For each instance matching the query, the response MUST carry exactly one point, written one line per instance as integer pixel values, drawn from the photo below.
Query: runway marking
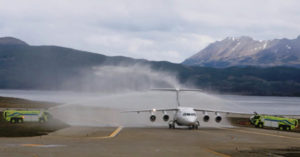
(31, 145)
(34, 155)
(113, 134)
(217, 153)
(42, 145)
(264, 134)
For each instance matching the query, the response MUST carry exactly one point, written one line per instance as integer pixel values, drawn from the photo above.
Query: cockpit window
(189, 114)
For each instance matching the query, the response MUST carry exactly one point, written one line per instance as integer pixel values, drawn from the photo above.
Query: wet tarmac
(100, 141)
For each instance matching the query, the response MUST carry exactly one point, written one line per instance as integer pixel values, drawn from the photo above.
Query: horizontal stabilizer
(176, 89)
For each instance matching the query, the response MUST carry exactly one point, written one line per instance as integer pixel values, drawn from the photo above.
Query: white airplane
(184, 116)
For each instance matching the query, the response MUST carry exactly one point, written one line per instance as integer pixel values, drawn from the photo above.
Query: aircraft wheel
(172, 125)
(197, 125)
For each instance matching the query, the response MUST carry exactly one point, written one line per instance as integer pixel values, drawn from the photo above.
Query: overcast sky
(170, 30)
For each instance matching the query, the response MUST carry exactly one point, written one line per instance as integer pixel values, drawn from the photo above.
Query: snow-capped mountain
(244, 51)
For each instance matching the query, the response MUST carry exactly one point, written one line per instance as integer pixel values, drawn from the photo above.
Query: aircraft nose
(191, 120)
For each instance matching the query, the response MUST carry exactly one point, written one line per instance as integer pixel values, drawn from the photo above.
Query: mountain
(23, 66)
(12, 41)
(244, 51)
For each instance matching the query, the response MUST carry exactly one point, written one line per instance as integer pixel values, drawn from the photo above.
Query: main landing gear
(195, 126)
(172, 124)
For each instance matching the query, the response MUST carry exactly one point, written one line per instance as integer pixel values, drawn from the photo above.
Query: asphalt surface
(123, 142)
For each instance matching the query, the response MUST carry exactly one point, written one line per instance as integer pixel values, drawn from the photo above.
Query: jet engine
(152, 118)
(166, 117)
(218, 118)
(206, 117)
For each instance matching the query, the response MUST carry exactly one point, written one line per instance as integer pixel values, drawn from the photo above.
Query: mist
(126, 88)
(107, 110)
(119, 79)
(100, 95)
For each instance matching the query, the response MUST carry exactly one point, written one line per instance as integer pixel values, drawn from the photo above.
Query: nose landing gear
(194, 126)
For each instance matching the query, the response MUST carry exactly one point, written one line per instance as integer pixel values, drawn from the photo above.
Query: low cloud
(156, 30)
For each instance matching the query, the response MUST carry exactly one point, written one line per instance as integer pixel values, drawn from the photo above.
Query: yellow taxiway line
(217, 153)
(113, 134)
(31, 145)
(264, 134)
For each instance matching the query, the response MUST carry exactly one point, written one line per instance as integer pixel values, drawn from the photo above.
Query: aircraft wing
(245, 114)
(152, 110)
(226, 112)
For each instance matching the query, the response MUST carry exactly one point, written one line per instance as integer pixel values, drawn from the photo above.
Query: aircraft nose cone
(191, 120)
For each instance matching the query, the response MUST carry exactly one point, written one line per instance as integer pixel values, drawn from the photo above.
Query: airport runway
(128, 142)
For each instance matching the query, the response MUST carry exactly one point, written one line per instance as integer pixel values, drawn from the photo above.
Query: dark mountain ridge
(12, 41)
(49, 67)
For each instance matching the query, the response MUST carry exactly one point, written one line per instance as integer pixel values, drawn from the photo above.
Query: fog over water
(94, 109)
(127, 88)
